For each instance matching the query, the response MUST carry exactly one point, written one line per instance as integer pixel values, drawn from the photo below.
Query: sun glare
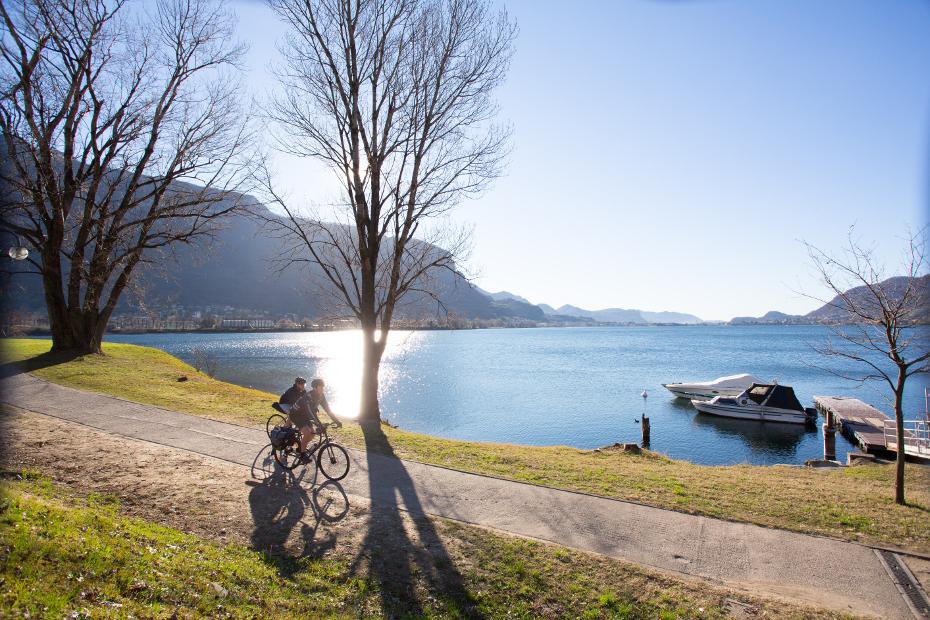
(339, 356)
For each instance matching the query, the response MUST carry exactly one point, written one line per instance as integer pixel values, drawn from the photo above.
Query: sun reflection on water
(339, 363)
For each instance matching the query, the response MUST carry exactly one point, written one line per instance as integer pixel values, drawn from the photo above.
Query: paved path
(820, 571)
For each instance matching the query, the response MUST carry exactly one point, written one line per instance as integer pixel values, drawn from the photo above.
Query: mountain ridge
(833, 311)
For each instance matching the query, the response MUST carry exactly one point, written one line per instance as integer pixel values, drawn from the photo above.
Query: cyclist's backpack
(281, 436)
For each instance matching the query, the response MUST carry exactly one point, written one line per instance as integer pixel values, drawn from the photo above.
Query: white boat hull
(697, 394)
(751, 412)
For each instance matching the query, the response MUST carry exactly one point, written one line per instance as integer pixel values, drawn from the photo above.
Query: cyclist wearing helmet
(303, 409)
(293, 394)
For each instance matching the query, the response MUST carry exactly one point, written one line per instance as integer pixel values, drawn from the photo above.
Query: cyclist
(293, 394)
(302, 408)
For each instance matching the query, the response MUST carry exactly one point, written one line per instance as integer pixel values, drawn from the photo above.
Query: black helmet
(299, 380)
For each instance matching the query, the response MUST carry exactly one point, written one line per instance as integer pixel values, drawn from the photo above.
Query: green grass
(63, 556)
(855, 503)
(61, 560)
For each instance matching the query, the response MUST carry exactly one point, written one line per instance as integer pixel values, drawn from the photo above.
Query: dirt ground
(208, 497)
(228, 503)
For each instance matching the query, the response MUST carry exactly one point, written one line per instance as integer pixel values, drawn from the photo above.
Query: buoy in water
(644, 394)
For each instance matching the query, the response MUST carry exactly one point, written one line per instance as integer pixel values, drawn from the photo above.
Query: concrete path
(829, 573)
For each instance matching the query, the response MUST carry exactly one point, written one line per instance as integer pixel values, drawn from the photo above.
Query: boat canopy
(780, 396)
(730, 381)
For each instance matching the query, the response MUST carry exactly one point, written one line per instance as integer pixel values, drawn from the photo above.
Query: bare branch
(122, 133)
(882, 316)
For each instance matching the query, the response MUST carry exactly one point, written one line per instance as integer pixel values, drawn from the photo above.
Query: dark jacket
(291, 396)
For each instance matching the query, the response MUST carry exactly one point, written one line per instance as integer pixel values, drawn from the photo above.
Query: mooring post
(829, 437)
(645, 426)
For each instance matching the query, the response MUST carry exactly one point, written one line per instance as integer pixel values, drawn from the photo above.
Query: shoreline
(40, 332)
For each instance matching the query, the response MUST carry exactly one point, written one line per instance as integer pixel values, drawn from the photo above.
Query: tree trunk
(81, 332)
(899, 436)
(73, 330)
(370, 410)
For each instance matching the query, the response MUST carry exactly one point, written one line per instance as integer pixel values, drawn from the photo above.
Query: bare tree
(880, 329)
(122, 133)
(394, 97)
(205, 361)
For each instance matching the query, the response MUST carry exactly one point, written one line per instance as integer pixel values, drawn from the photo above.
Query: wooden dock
(862, 423)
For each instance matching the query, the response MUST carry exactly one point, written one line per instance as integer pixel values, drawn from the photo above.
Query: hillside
(235, 272)
(772, 317)
(834, 310)
(621, 315)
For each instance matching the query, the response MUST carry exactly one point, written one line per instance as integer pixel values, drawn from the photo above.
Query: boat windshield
(758, 393)
(783, 397)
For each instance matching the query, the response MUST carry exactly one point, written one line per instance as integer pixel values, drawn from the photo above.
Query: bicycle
(331, 459)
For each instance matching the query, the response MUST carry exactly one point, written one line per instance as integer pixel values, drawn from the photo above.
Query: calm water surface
(579, 387)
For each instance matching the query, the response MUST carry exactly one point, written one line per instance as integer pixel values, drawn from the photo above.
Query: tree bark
(899, 435)
(372, 350)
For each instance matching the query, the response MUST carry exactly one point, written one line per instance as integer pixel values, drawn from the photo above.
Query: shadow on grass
(279, 503)
(403, 562)
(45, 360)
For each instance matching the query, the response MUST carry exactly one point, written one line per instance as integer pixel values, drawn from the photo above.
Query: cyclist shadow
(282, 500)
(392, 557)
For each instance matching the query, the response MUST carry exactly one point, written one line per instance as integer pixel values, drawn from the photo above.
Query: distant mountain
(773, 317)
(671, 317)
(503, 296)
(546, 308)
(834, 311)
(514, 308)
(608, 315)
(234, 273)
(621, 315)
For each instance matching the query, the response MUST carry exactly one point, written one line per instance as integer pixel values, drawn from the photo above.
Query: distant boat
(732, 385)
(762, 401)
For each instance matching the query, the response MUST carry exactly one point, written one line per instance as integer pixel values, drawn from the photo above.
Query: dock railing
(916, 437)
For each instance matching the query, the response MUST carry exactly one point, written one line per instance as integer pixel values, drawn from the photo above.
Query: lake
(572, 386)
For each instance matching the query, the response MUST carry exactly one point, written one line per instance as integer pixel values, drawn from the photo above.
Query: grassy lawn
(68, 556)
(855, 503)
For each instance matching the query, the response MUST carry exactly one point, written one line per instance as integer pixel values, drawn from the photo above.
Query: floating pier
(870, 428)
(862, 423)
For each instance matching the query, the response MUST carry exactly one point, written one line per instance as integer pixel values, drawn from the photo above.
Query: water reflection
(340, 364)
(682, 404)
(775, 438)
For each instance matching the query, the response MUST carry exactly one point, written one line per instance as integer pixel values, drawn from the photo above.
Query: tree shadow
(12, 369)
(44, 360)
(279, 503)
(391, 557)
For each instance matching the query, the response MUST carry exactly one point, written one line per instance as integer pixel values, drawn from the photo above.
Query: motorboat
(732, 385)
(768, 402)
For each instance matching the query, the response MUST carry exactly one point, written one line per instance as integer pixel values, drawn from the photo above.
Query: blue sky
(670, 155)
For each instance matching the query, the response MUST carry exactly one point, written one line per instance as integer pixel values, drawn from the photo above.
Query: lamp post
(17, 252)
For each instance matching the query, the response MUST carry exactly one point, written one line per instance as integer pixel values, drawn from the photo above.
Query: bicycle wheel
(333, 461)
(288, 457)
(276, 419)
